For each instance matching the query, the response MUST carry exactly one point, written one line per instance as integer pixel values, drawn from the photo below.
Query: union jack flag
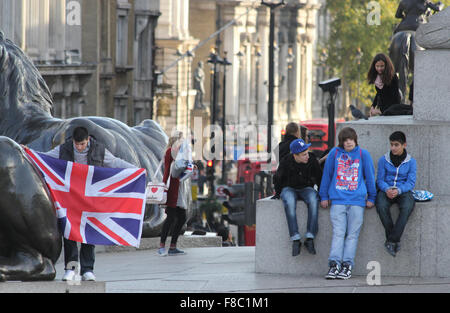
(95, 205)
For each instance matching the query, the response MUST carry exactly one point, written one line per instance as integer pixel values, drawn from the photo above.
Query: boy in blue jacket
(396, 178)
(348, 182)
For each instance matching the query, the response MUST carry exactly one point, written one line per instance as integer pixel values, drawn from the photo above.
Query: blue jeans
(309, 195)
(347, 221)
(405, 204)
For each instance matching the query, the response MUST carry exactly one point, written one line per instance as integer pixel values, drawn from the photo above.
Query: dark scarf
(397, 159)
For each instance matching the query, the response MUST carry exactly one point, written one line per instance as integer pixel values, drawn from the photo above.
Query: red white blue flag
(95, 205)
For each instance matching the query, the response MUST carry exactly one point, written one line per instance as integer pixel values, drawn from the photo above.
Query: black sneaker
(346, 272)
(296, 246)
(309, 244)
(333, 271)
(390, 248)
(397, 247)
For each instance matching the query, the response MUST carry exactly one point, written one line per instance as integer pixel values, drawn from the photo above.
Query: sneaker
(296, 246)
(333, 271)
(69, 275)
(390, 248)
(397, 247)
(309, 244)
(175, 251)
(346, 272)
(88, 276)
(162, 252)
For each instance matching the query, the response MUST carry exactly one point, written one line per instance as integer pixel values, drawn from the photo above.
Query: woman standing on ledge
(382, 74)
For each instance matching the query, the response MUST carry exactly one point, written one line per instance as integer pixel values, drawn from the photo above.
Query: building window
(122, 34)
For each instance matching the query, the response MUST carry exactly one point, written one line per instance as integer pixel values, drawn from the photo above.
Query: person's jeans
(309, 195)
(406, 205)
(347, 221)
(87, 255)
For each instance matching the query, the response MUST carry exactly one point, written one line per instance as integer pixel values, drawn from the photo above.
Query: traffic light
(210, 169)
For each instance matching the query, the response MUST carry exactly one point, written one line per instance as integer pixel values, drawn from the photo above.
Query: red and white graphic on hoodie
(347, 173)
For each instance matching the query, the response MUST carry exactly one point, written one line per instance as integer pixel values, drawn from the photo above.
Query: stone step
(52, 287)
(185, 241)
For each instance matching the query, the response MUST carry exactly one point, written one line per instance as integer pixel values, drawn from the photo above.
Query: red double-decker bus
(318, 133)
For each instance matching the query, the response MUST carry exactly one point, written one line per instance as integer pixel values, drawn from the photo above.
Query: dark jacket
(297, 175)
(387, 96)
(172, 193)
(96, 153)
(283, 148)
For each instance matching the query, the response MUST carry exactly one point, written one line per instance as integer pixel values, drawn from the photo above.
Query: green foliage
(210, 206)
(350, 31)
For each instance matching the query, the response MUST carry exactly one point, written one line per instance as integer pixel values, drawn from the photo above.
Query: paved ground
(228, 269)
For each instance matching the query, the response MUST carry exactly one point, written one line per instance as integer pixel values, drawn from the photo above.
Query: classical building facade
(245, 41)
(175, 95)
(96, 56)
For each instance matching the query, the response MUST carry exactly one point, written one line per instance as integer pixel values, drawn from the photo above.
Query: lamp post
(225, 63)
(272, 7)
(190, 57)
(214, 60)
(358, 57)
(290, 60)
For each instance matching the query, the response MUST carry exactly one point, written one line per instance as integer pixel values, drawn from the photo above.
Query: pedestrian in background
(176, 204)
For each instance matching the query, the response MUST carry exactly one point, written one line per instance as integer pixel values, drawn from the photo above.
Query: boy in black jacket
(294, 180)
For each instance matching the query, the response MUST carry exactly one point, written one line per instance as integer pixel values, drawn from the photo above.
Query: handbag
(156, 192)
(422, 195)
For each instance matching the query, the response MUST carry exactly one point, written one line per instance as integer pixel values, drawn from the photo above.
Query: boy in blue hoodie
(348, 182)
(396, 178)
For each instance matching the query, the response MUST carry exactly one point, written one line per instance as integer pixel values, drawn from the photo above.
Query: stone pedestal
(424, 250)
(198, 115)
(426, 142)
(432, 85)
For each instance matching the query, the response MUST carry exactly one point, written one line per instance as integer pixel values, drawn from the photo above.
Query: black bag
(399, 109)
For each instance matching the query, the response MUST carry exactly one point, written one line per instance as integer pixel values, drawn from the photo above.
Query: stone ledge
(192, 241)
(424, 251)
(52, 287)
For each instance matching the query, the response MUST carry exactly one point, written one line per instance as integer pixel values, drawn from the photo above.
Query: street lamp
(290, 60)
(272, 7)
(358, 57)
(214, 59)
(225, 63)
(190, 57)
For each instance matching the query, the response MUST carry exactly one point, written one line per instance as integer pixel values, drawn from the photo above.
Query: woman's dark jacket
(387, 96)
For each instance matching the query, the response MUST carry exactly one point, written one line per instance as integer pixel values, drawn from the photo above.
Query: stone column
(263, 31)
(57, 36)
(231, 44)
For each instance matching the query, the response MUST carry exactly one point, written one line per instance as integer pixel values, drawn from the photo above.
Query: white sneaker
(88, 276)
(69, 275)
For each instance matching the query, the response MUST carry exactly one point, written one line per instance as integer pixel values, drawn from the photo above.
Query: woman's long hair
(176, 135)
(388, 73)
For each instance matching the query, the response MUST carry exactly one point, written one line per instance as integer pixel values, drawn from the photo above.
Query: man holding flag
(93, 206)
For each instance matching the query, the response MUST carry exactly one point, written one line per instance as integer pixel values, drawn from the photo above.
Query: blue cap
(298, 146)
